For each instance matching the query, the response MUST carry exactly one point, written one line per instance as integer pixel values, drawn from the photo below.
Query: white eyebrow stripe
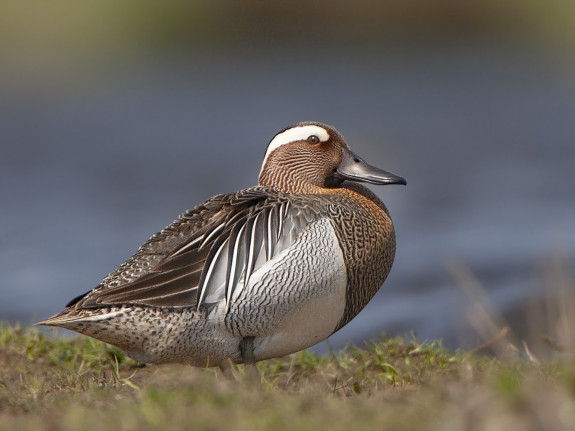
(299, 133)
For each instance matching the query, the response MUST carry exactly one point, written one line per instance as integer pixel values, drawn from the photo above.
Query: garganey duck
(256, 274)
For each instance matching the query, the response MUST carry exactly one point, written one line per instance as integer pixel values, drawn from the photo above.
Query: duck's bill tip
(391, 179)
(354, 168)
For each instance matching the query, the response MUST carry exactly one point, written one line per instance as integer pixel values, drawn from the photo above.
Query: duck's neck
(288, 184)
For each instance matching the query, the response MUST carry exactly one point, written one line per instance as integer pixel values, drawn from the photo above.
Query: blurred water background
(117, 116)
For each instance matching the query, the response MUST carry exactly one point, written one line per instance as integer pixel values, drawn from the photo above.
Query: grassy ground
(79, 383)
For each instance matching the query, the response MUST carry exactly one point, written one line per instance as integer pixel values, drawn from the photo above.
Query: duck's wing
(204, 255)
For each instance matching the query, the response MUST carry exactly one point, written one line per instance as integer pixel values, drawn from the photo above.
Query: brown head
(308, 155)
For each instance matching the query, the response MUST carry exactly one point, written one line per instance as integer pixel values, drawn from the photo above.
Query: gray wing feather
(206, 255)
(250, 245)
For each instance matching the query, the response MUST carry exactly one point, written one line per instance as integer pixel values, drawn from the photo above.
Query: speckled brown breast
(367, 238)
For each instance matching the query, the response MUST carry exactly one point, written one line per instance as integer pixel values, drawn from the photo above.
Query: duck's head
(308, 155)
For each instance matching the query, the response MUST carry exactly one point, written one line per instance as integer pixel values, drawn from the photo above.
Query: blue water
(484, 136)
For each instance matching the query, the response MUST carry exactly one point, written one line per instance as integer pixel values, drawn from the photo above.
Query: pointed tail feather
(70, 318)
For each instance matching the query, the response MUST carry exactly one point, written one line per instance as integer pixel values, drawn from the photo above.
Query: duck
(256, 274)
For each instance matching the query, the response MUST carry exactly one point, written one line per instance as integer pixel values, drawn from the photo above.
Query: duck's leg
(226, 368)
(247, 350)
(249, 358)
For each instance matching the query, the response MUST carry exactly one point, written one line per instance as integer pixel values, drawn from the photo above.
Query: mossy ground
(76, 383)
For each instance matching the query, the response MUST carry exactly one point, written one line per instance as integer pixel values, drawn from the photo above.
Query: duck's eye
(313, 139)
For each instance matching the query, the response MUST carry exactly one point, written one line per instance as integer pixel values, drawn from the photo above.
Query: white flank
(299, 133)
